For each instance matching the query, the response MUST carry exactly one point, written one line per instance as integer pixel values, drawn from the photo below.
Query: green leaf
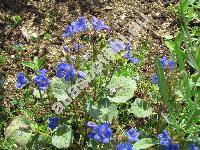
(140, 109)
(162, 83)
(28, 64)
(123, 87)
(143, 144)
(38, 62)
(63, 137)
(59, 89)
(3, 59)
(19, 131)
(104, 110)
(18, 47)
(33, 140)
(36, 93)
(17, 19)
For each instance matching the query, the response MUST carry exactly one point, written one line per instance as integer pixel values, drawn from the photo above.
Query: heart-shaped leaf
(122, 88)
(140, 109)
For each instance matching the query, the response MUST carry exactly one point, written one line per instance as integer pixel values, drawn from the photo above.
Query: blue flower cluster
(63, 70)
(193, 147)
(133, 135)
(128, 56)
(118, 46)
(125, 146)
(166, 140)
(101, 133)
(53, 122)
(68, 72)
(21, 80)
(82, 24)
(164, 62)
(78, 26)
(41, 80)
(99, 25)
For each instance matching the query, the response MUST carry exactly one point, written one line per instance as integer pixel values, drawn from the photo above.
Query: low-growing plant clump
(92, 98)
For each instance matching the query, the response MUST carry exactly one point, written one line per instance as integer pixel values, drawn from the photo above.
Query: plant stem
(159, 116)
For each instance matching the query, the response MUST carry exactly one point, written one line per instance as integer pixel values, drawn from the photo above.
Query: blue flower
(163, 61)
(81, 24)
(172, 146)
(164, 138)
(62, 69)
(155, 79)
(117, 45)
(41, 80)
(127, 55)
(81, 74)
(70, 75)
(65, 70)
(133, 135)
(77, 46)
(21, 80)
(91, 125)
(125, 146)
(99, 25)
(171, 64)
(134, 60)
(68, 32)
(128, 47)
(53, 122)
(66, 48)
(193, 147)
(101, 133)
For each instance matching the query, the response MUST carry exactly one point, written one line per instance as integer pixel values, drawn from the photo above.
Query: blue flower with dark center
(163, 61)
(53, 122)
(66, 48)
(193, 147)
(117, 45)
(41, 80)
(171, 64)
(155, 79)
(81, 74)
(21, 80)
(172, 146)
(62, 69)
(133, 135)
(65, 70)
(125, 146)
(164, 138)
(101, 133)
(99, 25)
